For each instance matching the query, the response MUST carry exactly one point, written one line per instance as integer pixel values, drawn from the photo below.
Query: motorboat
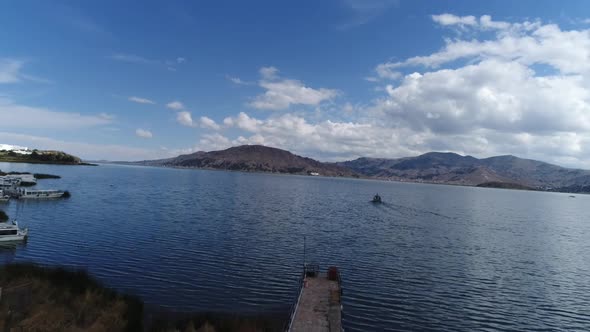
(376, 199)
(10, 231)
(40, 194)
(4, 197)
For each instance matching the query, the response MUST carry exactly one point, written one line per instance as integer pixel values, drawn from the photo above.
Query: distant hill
(253, 158)
(40, 157)
(433, 167)
(451, 168)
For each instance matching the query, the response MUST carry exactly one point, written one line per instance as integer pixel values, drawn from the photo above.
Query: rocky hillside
(253, 158)
(451, 168)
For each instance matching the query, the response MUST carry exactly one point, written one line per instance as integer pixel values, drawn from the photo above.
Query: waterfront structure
(318, 307)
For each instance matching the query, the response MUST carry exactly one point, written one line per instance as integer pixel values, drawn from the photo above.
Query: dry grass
(41, 299)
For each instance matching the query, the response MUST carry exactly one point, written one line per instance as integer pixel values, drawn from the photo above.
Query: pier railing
(295, 304)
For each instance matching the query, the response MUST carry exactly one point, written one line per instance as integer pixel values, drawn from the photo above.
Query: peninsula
(40, 157)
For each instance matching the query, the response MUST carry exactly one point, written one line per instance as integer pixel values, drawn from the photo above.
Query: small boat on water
(376, 199)
(40, 194)
(9, 232)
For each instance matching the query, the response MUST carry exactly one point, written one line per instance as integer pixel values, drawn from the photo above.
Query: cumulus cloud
(327, 140)
(282, 93)
(140, 100)
(269, 73)
(523, 89)
(185, 118)
(143, 133)
(175, 105)
(209, 123)
(15, 115)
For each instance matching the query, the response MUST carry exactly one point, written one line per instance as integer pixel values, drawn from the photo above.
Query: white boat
(4, 197)
(9, 231)
(21, 179)
(40, 194)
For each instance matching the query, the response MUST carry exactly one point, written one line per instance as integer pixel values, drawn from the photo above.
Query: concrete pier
(319, 305)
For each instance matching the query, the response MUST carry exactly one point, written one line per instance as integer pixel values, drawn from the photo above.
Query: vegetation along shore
(36, 298)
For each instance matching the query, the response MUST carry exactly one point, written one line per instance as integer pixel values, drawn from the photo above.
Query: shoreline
(360, 177)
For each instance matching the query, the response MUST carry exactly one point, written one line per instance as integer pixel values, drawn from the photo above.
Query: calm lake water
(430, 258)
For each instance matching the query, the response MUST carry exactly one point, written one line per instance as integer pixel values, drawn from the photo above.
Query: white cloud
(239, 81)
(143, 133)
(140, 100)
(216, 141)
(269, 73)
(503, 96)
(323, 140)
(209, 123)
(529, 43)
(282, 93)
(13, 115)
(86, 151)
(175, 105)
(185, 118)
(10, 70)
(510, 88)
(450, 19)
(384, 71)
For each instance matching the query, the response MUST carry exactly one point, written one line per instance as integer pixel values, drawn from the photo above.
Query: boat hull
(42, 196)
(12, 238)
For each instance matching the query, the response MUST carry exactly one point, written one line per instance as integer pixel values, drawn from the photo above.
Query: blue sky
(328, 79)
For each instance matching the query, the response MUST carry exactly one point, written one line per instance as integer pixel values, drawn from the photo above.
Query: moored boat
(9, 232)
(40, 194)
(4, 197)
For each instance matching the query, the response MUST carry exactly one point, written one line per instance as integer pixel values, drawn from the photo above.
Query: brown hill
(253, 158)
(451, 168)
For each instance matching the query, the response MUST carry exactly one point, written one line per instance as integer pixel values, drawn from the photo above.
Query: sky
(332, 80)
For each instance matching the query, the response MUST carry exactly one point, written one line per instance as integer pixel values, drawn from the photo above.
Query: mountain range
(433, 167)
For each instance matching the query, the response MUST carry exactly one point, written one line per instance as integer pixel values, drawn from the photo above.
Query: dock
(318, 307)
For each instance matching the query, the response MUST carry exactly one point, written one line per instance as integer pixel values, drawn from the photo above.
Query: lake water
(430, 258)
